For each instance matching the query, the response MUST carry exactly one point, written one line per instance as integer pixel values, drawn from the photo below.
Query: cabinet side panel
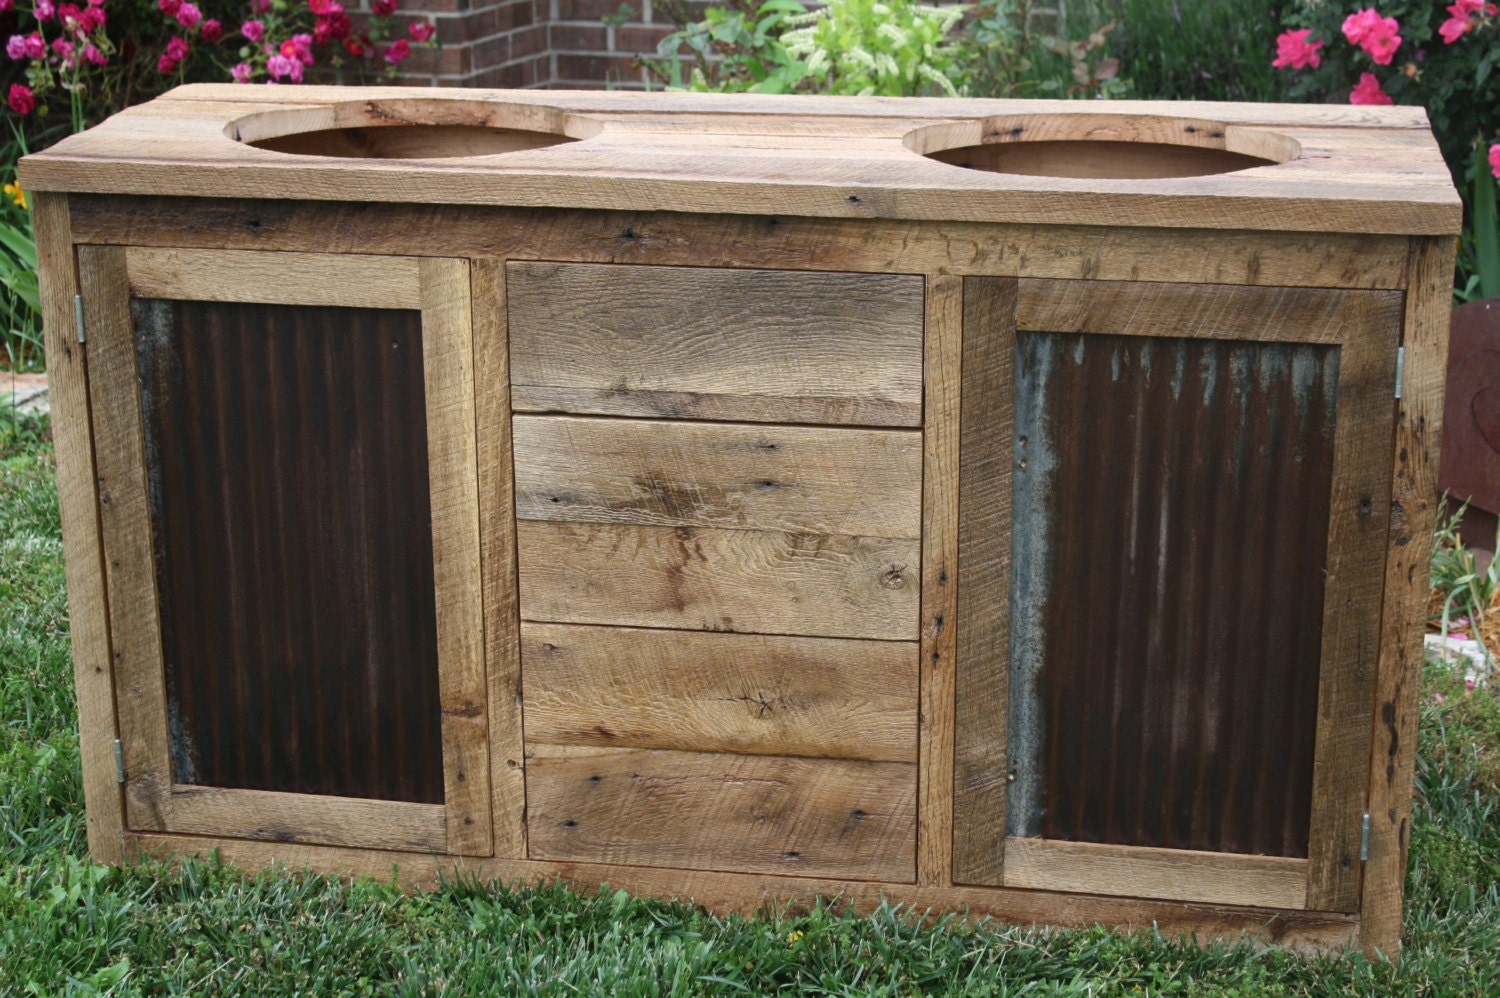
(73, 444)
(1419, 416)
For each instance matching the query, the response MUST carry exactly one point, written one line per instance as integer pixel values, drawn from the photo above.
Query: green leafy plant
(733, 49)
(889, 48)
(995, 47)
(1465, 593)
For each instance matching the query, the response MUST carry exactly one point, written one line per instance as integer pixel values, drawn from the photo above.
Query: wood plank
(753, 894)
(794, 478)
(827, 698)
(943, 369)
(674, 239)
(1201, 311)
(73, 447)
(1133, 871)
(448, 377)
(277, 817)
(1359, 522)
(848, 345)
(742, 581)
(497, 550)
(1419, 416)
(275, 278)
(982, 680)
(125, 527)
(811, 817)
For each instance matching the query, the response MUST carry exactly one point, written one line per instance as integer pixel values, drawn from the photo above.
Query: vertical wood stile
(498, 553)
(1359, 518)
(942, 371)
(125, 526)
(1418, 430)
(448, 359)
(982, 668)
(73, 444)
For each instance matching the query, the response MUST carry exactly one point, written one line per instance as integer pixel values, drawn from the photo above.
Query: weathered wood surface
(497, 553)
(745, 581)
(751, 894)
(73, 446)
(341, 821)
(690, 810)
(1419, 417)
(1359, 522)
(653, 472)
(982, 680)
(448, 369)
(125, 530)
(768, 346)
(1371, 170)
(1179, 874)
(940, 438)
(1064, 252)
(749, 693)
(275, 278)
(1202, 311)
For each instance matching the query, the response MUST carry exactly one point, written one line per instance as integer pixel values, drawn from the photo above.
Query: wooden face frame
(440, 289)
(1366, 325)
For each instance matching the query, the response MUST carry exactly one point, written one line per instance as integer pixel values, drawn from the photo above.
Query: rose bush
(99, 56)
(1443, 56)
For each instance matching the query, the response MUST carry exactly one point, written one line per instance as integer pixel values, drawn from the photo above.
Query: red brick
(596, 68)
(528, 41)
(492, 52)
(640, 38)
(588, 10)
(578, 38)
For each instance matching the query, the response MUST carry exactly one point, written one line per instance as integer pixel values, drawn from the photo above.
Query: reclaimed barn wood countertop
(1326, 168)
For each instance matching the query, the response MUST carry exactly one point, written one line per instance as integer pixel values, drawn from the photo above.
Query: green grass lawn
(67, 927)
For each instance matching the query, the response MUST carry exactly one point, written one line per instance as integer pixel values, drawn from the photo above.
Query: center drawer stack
(718, 498)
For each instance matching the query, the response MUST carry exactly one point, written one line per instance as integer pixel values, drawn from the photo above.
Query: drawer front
(707, 343)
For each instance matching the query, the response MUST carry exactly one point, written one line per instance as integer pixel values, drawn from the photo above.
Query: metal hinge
(1364, 838)
(1400, 368)
(78, 315)
(119, 762)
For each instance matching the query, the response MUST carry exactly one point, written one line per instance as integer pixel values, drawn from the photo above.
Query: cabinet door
(1174, 508)
(289, 509)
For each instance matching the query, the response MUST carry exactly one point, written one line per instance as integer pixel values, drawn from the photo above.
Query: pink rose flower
(165, 65)
(1367, 91)
(211, 31)
(188, 15)
(92, 54)
(16, 47)
(299, 47)
(91, 19)
(384, 8)
(35, 47)
(63, 47)
(1375, 34)
(241, 73)
(1495, 159)
(325, 8)
(6, 6)
(169, 7)
(284, 67)
(177, 49)
(354, 46)
(21, 99)
(420, 31)
(398, 50)
(43, 10)
(1293, 50)
(253, 30)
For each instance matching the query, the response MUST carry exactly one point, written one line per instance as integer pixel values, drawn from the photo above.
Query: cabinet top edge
(1322, 168)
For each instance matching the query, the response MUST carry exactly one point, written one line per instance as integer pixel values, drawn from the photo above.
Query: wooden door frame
(1366, 326)
(440, 289)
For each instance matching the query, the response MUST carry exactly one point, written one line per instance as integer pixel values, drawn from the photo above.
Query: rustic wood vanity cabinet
(1012, 507)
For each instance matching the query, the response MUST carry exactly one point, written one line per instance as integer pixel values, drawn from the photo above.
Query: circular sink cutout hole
(411, 129)
(1101, 147)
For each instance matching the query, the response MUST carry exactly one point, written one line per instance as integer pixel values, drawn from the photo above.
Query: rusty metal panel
(1171, 509)
(287, 457)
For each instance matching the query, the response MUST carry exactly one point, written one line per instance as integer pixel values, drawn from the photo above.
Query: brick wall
(533, 43)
